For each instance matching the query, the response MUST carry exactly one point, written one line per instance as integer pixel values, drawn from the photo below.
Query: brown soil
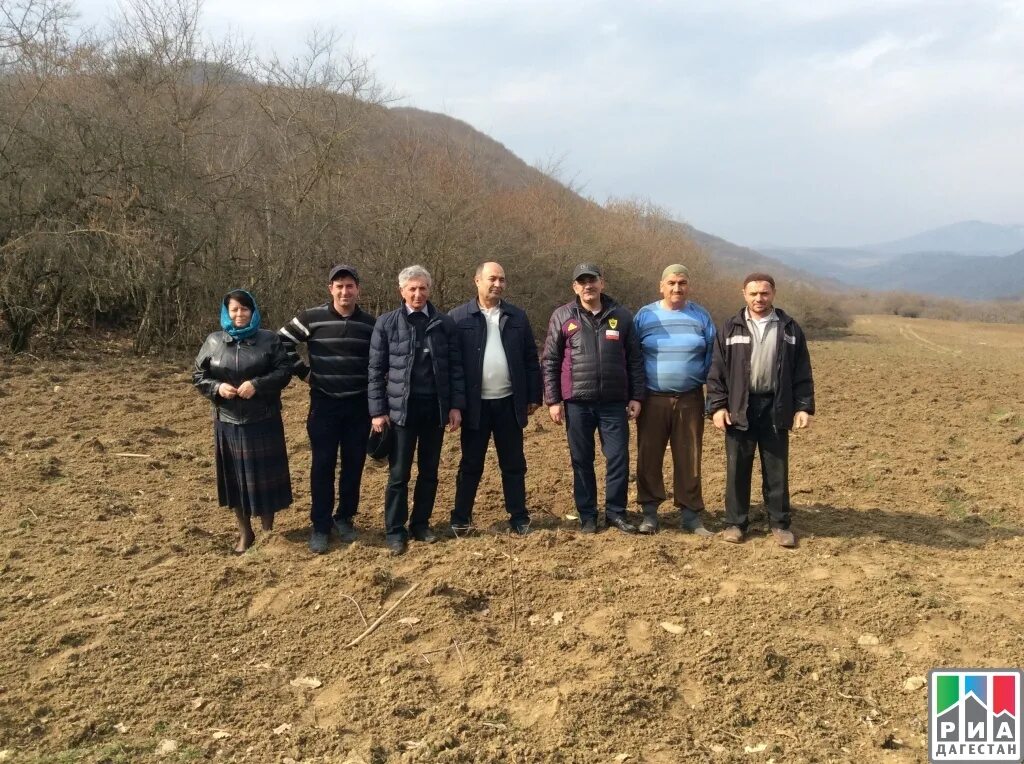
(127, 623)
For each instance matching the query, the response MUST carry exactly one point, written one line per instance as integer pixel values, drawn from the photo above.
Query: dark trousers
(498, 418)
(773, 445)
(422, 435)
(336, 425)
(676, 419)
(612, 425)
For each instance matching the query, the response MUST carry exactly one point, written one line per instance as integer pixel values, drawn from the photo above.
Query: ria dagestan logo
(974, 715)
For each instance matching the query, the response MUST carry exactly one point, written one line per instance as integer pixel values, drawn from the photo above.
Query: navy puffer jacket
(392, 353)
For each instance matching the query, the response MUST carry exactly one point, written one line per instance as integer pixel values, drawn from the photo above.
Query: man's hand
(246, 390)
(633, 409)
(801, 420)
(224, 390)
(556, 413)
(531, 407)
(721, 418)
(454, 419)
(378, 423)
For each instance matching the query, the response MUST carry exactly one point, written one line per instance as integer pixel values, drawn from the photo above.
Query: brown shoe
(784, 537)
(733, 534)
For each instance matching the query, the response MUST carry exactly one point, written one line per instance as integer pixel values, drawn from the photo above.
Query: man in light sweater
(500, 360)
(759, 387)
(676, 336)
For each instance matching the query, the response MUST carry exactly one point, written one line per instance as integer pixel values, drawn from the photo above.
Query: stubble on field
(130, 632)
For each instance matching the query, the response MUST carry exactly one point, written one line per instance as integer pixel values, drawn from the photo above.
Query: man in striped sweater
(677, 337)
(337, 339)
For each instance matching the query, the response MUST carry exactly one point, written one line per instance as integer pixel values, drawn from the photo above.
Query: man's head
(587, 282)
(490, 283)
(675, 286)
(759, 294)
(343, 284)
(414, 286)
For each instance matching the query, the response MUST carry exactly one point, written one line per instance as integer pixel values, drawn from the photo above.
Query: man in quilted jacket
(593, 373)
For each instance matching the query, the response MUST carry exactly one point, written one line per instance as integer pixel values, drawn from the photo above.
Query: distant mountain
(971, 237)
(971, 260)
(741, 260)
(982, 277)
(945, 274)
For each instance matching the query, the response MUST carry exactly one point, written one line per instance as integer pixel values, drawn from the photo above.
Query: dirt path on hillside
(130, 633)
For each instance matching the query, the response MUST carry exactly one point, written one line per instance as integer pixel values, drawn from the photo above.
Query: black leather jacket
(260, 359)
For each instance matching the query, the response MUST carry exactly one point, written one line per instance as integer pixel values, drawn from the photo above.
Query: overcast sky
(795, 122)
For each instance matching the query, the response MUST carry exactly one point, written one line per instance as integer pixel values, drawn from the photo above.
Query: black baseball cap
(586, 269)
(343, 270)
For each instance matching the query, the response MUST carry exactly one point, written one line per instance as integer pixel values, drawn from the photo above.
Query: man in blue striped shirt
(677, 337)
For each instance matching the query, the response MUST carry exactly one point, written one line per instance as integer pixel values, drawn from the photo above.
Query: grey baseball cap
(586, 269)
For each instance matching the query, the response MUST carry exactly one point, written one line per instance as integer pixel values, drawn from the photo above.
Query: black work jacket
(392, 356)
(520, 352)
(260, 359)
(728, 383)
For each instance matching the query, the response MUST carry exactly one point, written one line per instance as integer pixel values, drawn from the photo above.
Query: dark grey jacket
(392, 352)
(729, 378)
(596, 359)
(520, 352)
(260, 359)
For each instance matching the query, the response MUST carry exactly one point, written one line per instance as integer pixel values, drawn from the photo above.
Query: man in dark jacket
(416, 386)
(759, 387)
(499, 358)
(337, 339)
(594, 380)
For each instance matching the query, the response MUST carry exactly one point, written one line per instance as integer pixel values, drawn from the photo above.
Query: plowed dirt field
(129, 632)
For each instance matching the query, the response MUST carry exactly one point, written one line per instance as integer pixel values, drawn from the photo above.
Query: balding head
(490, 284)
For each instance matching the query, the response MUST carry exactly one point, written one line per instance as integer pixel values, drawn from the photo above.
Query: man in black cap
(337, 338)
(593, 372)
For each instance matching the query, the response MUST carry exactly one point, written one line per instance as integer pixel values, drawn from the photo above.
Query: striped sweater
(338, 349)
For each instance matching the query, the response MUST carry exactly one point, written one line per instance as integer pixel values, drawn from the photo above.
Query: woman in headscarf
(243, 369)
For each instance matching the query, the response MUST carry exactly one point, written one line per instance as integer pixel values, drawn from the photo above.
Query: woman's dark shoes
(245, 541)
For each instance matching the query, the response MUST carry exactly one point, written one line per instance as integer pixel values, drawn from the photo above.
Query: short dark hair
(240, 296)
(758, 277)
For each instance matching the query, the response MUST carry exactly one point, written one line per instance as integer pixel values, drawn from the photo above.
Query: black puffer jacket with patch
(592, 358)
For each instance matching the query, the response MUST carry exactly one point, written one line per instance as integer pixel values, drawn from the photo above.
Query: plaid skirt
(252, 466)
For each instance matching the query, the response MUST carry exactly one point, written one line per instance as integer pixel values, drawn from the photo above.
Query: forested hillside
(143, 172)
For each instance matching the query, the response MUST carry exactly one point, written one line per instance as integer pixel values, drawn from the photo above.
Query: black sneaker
(423, 534)
(396, 547)
(345, 530)
(588, 526)
(520, 528)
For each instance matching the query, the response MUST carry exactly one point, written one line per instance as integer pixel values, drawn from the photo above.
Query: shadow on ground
(936, 531)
